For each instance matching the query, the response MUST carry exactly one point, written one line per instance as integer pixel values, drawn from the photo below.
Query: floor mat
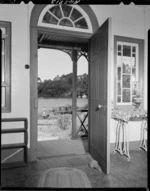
(64, 177)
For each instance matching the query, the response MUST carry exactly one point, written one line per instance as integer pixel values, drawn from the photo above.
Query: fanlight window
(65, 16)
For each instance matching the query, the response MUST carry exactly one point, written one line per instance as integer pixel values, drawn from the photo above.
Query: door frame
(33, 151)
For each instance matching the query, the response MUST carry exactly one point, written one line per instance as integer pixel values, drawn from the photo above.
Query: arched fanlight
(65, 16)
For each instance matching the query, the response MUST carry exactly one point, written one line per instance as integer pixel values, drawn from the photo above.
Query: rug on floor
(64, 177)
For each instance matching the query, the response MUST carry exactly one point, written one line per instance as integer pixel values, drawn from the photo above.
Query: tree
(62, 86)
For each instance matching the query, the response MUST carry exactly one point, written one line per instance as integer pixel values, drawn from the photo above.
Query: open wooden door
(99, 95)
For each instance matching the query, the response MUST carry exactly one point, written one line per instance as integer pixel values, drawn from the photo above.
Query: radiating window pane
(46, 18)
(66, 10)
(49, 19)
(119, 53)
(119, 73)
(125, 95)
(56, 11)
(119, 88)
(66, 22)
(81, 24)
(118, 99)
(126, 68)
(126, 50)
(75, 15)
(126, 81)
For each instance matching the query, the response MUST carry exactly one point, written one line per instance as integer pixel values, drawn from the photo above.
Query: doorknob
(99, 106)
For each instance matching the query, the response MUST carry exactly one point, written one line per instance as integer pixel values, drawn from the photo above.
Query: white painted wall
(127, 21)
(20, 87)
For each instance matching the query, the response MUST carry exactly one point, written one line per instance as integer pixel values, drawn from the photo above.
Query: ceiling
(59, 41)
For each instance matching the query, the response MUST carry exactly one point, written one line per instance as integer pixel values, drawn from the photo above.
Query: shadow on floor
(61, 147)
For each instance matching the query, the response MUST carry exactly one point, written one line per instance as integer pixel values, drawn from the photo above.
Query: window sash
(5, 66)
(129, 73)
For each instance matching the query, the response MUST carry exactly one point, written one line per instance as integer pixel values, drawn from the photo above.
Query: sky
(54, 62)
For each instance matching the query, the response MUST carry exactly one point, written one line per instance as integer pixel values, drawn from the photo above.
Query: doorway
(99, 71)
(55, 103)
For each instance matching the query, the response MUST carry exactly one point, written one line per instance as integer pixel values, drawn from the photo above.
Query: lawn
(56, 126)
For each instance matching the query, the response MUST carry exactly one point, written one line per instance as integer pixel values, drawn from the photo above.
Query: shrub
(64, 121)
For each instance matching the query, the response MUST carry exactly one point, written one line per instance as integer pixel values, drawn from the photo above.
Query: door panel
(98, 96)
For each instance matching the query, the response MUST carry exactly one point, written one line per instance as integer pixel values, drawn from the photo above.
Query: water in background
(49, 103)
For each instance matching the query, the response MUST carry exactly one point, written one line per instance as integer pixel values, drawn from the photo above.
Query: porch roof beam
(59, 45)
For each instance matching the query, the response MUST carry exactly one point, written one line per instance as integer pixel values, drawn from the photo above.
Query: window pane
(119, 60)
(125, 95)
(133, 74)
(119, 88)
(133, 97)
(119, 47)
(56, 11)
(133, 89)
(46, 18)
(133, 60)
(49, 19)
(119, 73)
(66, 10)
(126, 50)
(81, 24)
(66, 22)
(3, 29)
(126, 81)
(126, 68)
(133, 49)
(3, 96)
(118, 99)
(75, 15)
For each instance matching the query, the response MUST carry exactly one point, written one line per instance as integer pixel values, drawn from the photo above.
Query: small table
(122, 147)
(123, 118)
(82, 121)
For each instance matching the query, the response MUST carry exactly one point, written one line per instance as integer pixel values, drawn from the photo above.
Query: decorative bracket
(79, 54)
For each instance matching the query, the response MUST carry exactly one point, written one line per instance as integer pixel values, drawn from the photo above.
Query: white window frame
(6, 80)
(137, 71)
